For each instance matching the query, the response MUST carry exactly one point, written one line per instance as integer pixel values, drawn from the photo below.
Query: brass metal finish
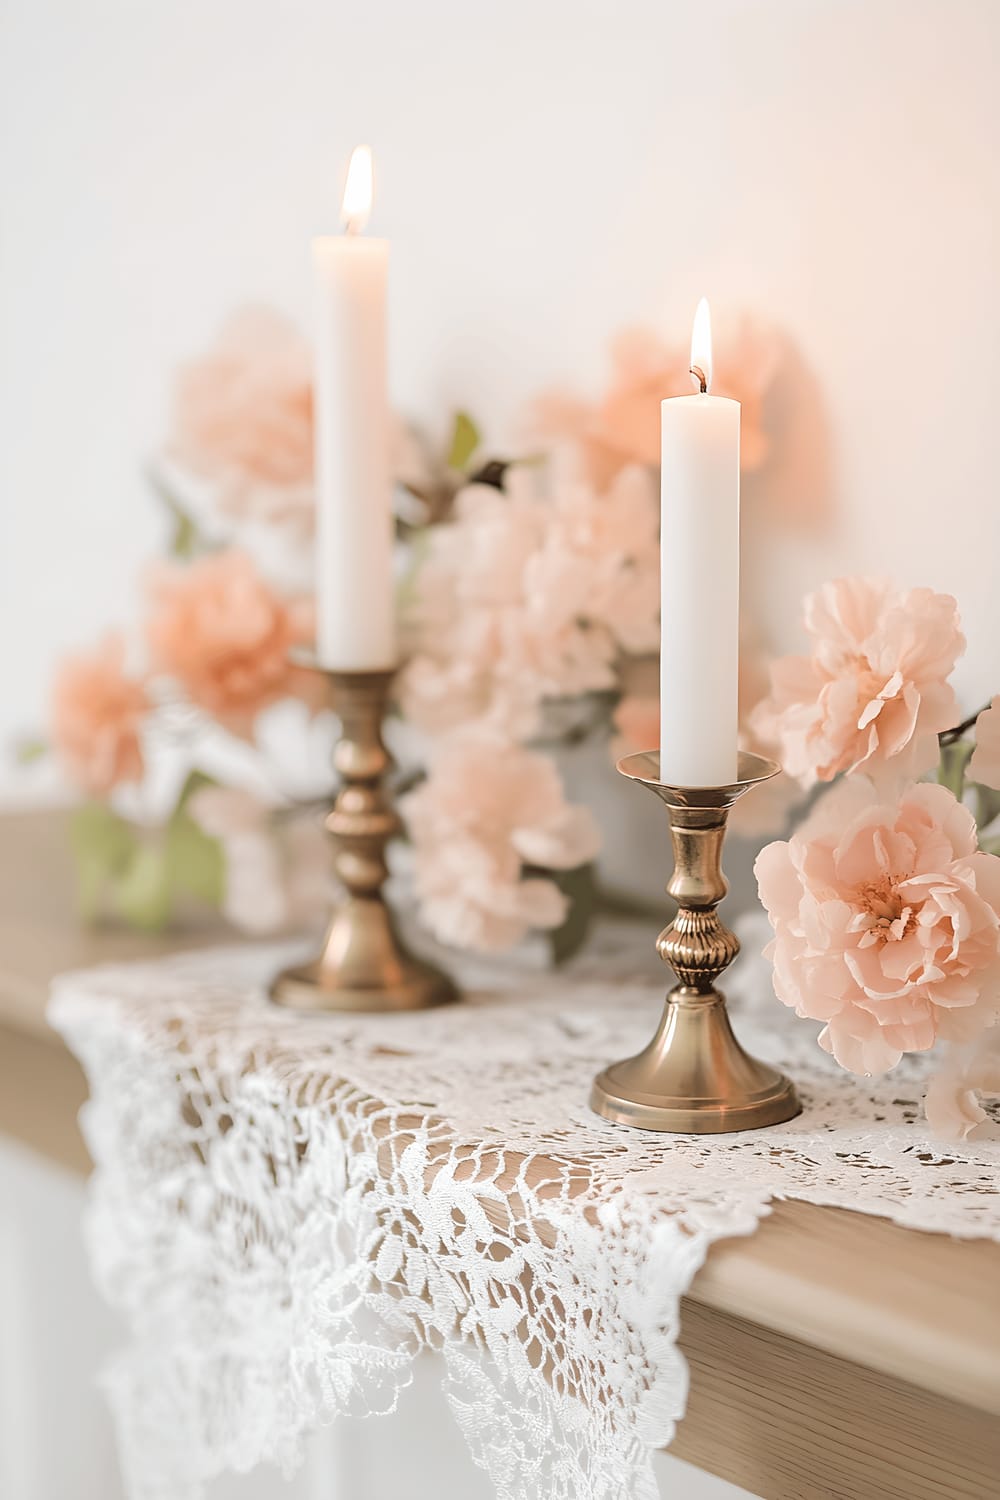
(694, 1076)
(363, 964)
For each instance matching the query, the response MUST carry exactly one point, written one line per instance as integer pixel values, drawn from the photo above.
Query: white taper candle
(354, 533)
(699, 579)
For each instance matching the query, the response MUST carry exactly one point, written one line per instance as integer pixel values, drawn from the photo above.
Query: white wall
(548, 169)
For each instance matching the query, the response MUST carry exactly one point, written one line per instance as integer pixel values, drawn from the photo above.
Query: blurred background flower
(243, 418)
(97, 716)
(622, 426)
(225, 636)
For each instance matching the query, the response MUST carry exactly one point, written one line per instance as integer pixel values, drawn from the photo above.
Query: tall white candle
(699, 579)
(354, 577)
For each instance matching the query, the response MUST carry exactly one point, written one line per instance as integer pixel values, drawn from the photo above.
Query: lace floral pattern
(287, 1208)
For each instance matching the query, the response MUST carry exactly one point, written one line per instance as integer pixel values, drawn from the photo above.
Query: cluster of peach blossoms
(243, 419)
(886, 911)
(530, 595)
(217, 639)
(534, 592)
(488, 812)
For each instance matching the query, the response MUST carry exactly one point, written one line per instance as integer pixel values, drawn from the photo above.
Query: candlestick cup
(694, 1076)
(363, 964)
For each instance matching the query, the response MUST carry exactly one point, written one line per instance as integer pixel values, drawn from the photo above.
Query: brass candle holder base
(694, 1076)
(363, 965)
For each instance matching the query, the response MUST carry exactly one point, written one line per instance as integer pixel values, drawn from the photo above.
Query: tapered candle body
(354, 579)
(700, 590)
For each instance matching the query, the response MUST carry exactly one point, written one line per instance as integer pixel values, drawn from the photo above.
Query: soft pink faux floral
(886, 923)
(97, 713)
(984, 766)
(224, 634)
(243, 417)
(279, 872)
(875, 691)
(524, 597)
(952, 1103)
(623, 427)
(487, 810)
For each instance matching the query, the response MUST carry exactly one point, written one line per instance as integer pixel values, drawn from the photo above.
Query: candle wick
(351, 227)
(699, 375)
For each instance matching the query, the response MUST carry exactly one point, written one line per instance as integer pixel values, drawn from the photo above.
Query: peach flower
(221, 631)
(243, 417)
(952, 1102)
(529, 595)
(486, 810)
(886, 924)
(875, 689)
(624, 426)
(984, 766)
(97, 713)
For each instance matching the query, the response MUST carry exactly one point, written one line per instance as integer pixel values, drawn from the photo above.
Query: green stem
(949, 737)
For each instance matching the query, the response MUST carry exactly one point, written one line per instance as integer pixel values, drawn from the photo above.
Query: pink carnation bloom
(984, 766)
(243, 417)
(886, 923)
(526, 596)
(222, 632)
(624, 426)
(97, 713)
(875, 689)
(486, 810)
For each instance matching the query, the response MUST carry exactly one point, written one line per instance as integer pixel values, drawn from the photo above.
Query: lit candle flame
(701, 347)
(357, 204)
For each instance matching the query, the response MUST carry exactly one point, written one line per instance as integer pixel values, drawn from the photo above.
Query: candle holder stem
(694, 1076)
(363, 965)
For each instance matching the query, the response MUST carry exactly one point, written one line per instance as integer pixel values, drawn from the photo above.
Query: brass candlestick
(363, 964)
(694, 1075)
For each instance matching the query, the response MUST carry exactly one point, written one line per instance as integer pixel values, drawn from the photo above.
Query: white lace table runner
(287, 1208)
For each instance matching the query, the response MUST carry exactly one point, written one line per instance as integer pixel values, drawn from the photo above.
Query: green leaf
(580, 887)
(465, 439)
(102, 844)
(185, 538)
(194, 861)
(142, 893)
(183, 542)
(951, 771)
(27, 751)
